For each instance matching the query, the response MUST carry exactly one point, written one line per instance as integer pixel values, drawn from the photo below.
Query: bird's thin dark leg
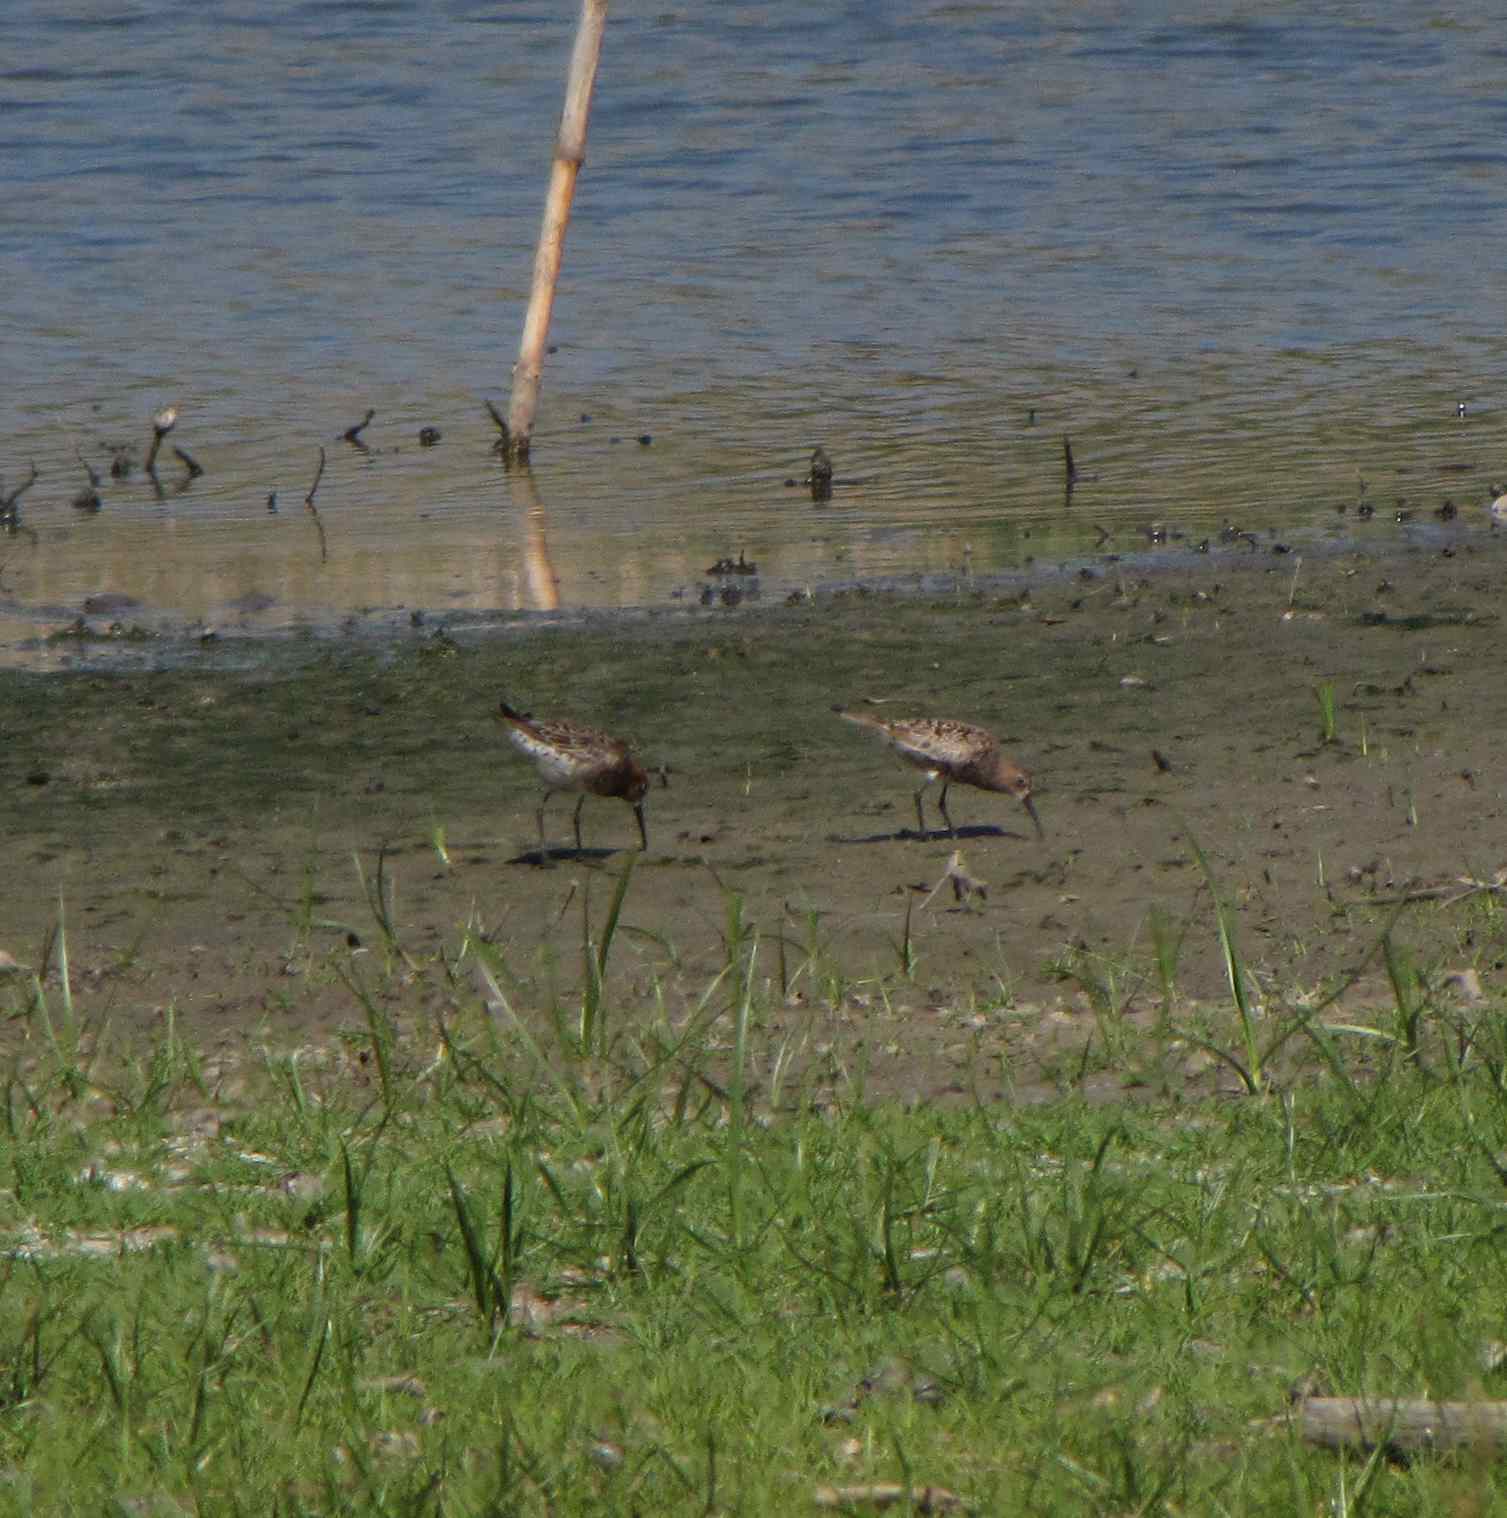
(952, 832)
(643, 832)
(543, 849)
(579, 805)
(920, 815)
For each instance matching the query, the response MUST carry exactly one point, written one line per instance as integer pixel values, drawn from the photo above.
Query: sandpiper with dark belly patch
(571, 757)
(956, 753)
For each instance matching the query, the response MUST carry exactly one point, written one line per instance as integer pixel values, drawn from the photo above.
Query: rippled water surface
(1246, 257)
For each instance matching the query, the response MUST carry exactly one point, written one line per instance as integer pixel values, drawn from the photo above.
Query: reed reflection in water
(541, 582)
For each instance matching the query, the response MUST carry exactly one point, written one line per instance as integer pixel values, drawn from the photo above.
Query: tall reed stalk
(570, 154)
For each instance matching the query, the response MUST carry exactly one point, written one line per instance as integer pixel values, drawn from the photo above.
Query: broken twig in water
(162, 424)
(570, 153)
(352, 435)
(1071, 473)
(308, 500)
(9, 512)
(820, 477)
(313, 510)
(88, 498)
(503, 445)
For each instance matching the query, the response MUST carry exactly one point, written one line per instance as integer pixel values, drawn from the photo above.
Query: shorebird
(570, 757)
(954, 753)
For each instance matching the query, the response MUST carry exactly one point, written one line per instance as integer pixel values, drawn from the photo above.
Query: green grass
(454, 1265)
(1328, 721)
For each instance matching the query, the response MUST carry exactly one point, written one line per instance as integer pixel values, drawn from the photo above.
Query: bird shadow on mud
(567, 855)
(931, 835)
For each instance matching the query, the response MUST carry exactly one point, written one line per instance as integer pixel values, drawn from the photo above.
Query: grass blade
(485, 1286)
(309, 1380)
(1235, 973)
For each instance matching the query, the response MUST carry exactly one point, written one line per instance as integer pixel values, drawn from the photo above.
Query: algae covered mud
(244, 851)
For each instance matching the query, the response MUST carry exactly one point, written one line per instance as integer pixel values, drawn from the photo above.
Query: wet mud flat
(1327, 733)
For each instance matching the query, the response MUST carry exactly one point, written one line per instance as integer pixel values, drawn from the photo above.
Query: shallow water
(1243, 261)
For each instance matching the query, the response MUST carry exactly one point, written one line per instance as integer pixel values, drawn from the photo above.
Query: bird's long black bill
(643, 832)
(1030, 806)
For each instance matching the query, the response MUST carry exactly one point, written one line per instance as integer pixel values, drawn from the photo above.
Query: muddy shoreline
(112, 631)
(198, 830)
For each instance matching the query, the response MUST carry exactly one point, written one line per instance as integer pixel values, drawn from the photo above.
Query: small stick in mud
(915, 1499)
(9, 512)
(964, 885)
(820, 477)
(352, 435)
(162, 424)
(88, 498)
(1397, 1425)
(313, 510)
